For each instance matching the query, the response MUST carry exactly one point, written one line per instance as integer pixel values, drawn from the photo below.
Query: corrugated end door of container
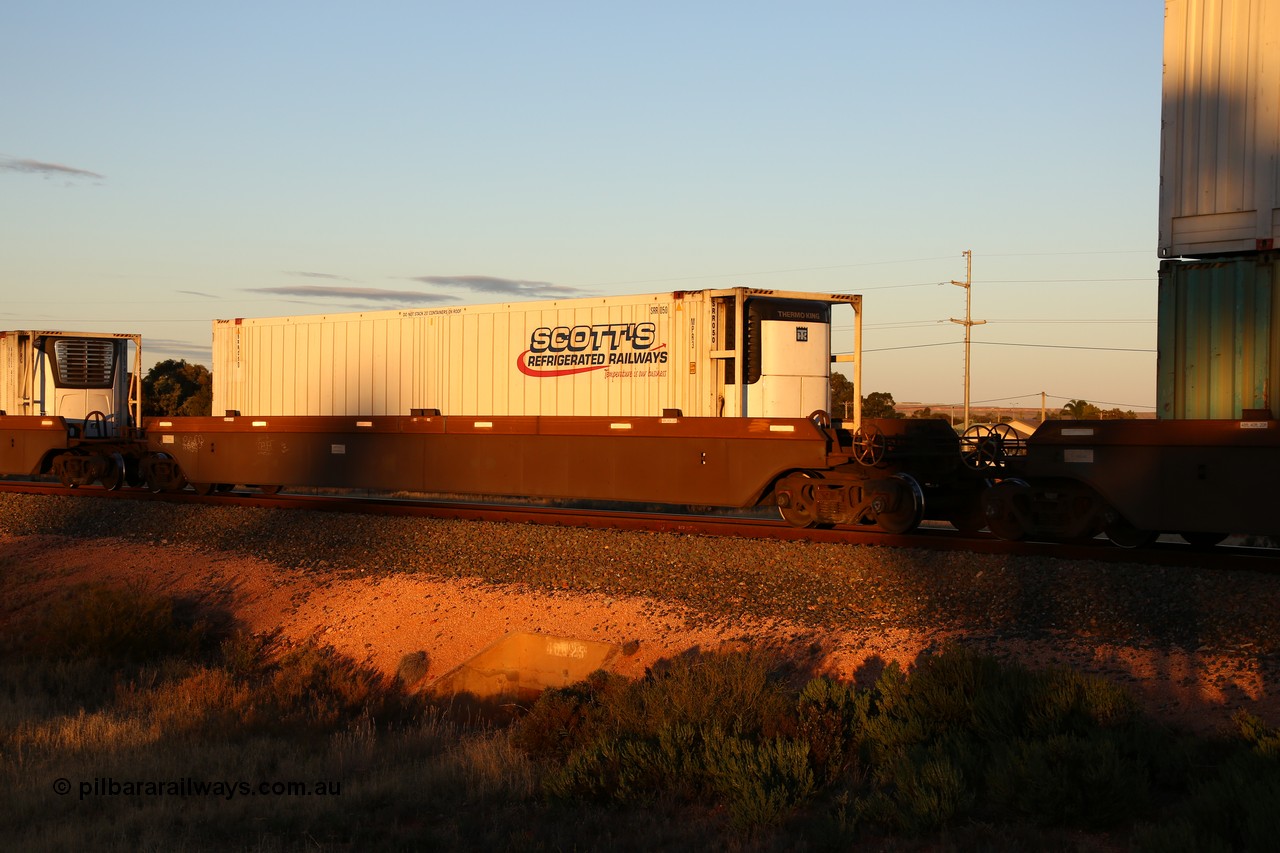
(10, 361)
(1217, 338)
(222, 368)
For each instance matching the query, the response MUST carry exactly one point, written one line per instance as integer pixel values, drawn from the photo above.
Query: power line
(1009, 344)
(1054, 254)
(1059, 280)
(775, 272)
(919, 324)
(890, 263)
(1062, 346)
(1082, 322)
(914, 346)
(1035, 396)
(899, 286)
(1101, 402)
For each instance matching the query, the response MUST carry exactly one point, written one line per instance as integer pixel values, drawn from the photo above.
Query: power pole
(968, 322)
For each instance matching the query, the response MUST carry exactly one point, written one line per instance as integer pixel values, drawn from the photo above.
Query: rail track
(930, 536)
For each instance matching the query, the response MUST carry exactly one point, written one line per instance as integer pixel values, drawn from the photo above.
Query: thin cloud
(197, 293)
(48, 170)
(324, 275)
(500, 286)
(368, 294)
(162, 348)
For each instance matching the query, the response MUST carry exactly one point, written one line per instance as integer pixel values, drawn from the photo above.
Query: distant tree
(927, 413)
(1081, 410)
(879, 404)
(842, 392)
(174, 387)
(1117, 415)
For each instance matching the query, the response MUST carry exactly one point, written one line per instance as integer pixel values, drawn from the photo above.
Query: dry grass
(162, 727)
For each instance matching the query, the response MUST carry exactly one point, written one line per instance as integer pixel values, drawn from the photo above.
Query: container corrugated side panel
(461, 361)
(9, 361)
(1218, 345)
(476, 353)
(1220, 127)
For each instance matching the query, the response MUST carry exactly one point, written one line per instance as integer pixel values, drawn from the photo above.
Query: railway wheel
(133, 473)
(869, 445)
(114, 475)
(797, 504)
(65, 471)
(1000, 507)
(162, 474)
(204, 489)
(74, 469)
(909, 512)
(1201, 539)
(1124, 534)
(270, 490)
(968, 521)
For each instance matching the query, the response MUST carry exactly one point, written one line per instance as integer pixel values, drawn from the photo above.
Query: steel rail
(926, 537)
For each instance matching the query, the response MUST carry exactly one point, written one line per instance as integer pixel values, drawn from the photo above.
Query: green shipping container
(1218, 347)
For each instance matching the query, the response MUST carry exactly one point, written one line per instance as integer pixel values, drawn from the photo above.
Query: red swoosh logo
(567, 371)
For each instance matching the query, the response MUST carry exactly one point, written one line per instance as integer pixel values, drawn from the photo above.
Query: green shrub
(759, 781)
(702, 725)
(1090, 780)
(736, 691)
(630, 770)
(314, 688)
(964, 736)
(565, 719)
(1066, 701)
(741, 691)
(831, 718)
(1232, 807)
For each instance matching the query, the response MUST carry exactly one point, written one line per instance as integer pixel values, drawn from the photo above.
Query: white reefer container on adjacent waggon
(736, 352)
(78, 376)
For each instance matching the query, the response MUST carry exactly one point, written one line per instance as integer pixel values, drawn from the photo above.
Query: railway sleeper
(895, 504)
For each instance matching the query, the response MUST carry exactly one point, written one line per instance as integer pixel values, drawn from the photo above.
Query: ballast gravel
(1194, 644)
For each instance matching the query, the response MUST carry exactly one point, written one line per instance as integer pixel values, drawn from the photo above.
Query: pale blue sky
(162, 165)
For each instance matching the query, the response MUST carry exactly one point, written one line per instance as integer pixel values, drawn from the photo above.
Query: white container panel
(796, 349)
(617, 356)
(1220, 128)
(10, 370)
(341, 385)
(325, 380)
(69, 375)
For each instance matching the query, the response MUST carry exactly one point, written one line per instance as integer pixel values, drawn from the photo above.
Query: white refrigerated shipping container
(743, 352)
(73, 375)
(1220, 128)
